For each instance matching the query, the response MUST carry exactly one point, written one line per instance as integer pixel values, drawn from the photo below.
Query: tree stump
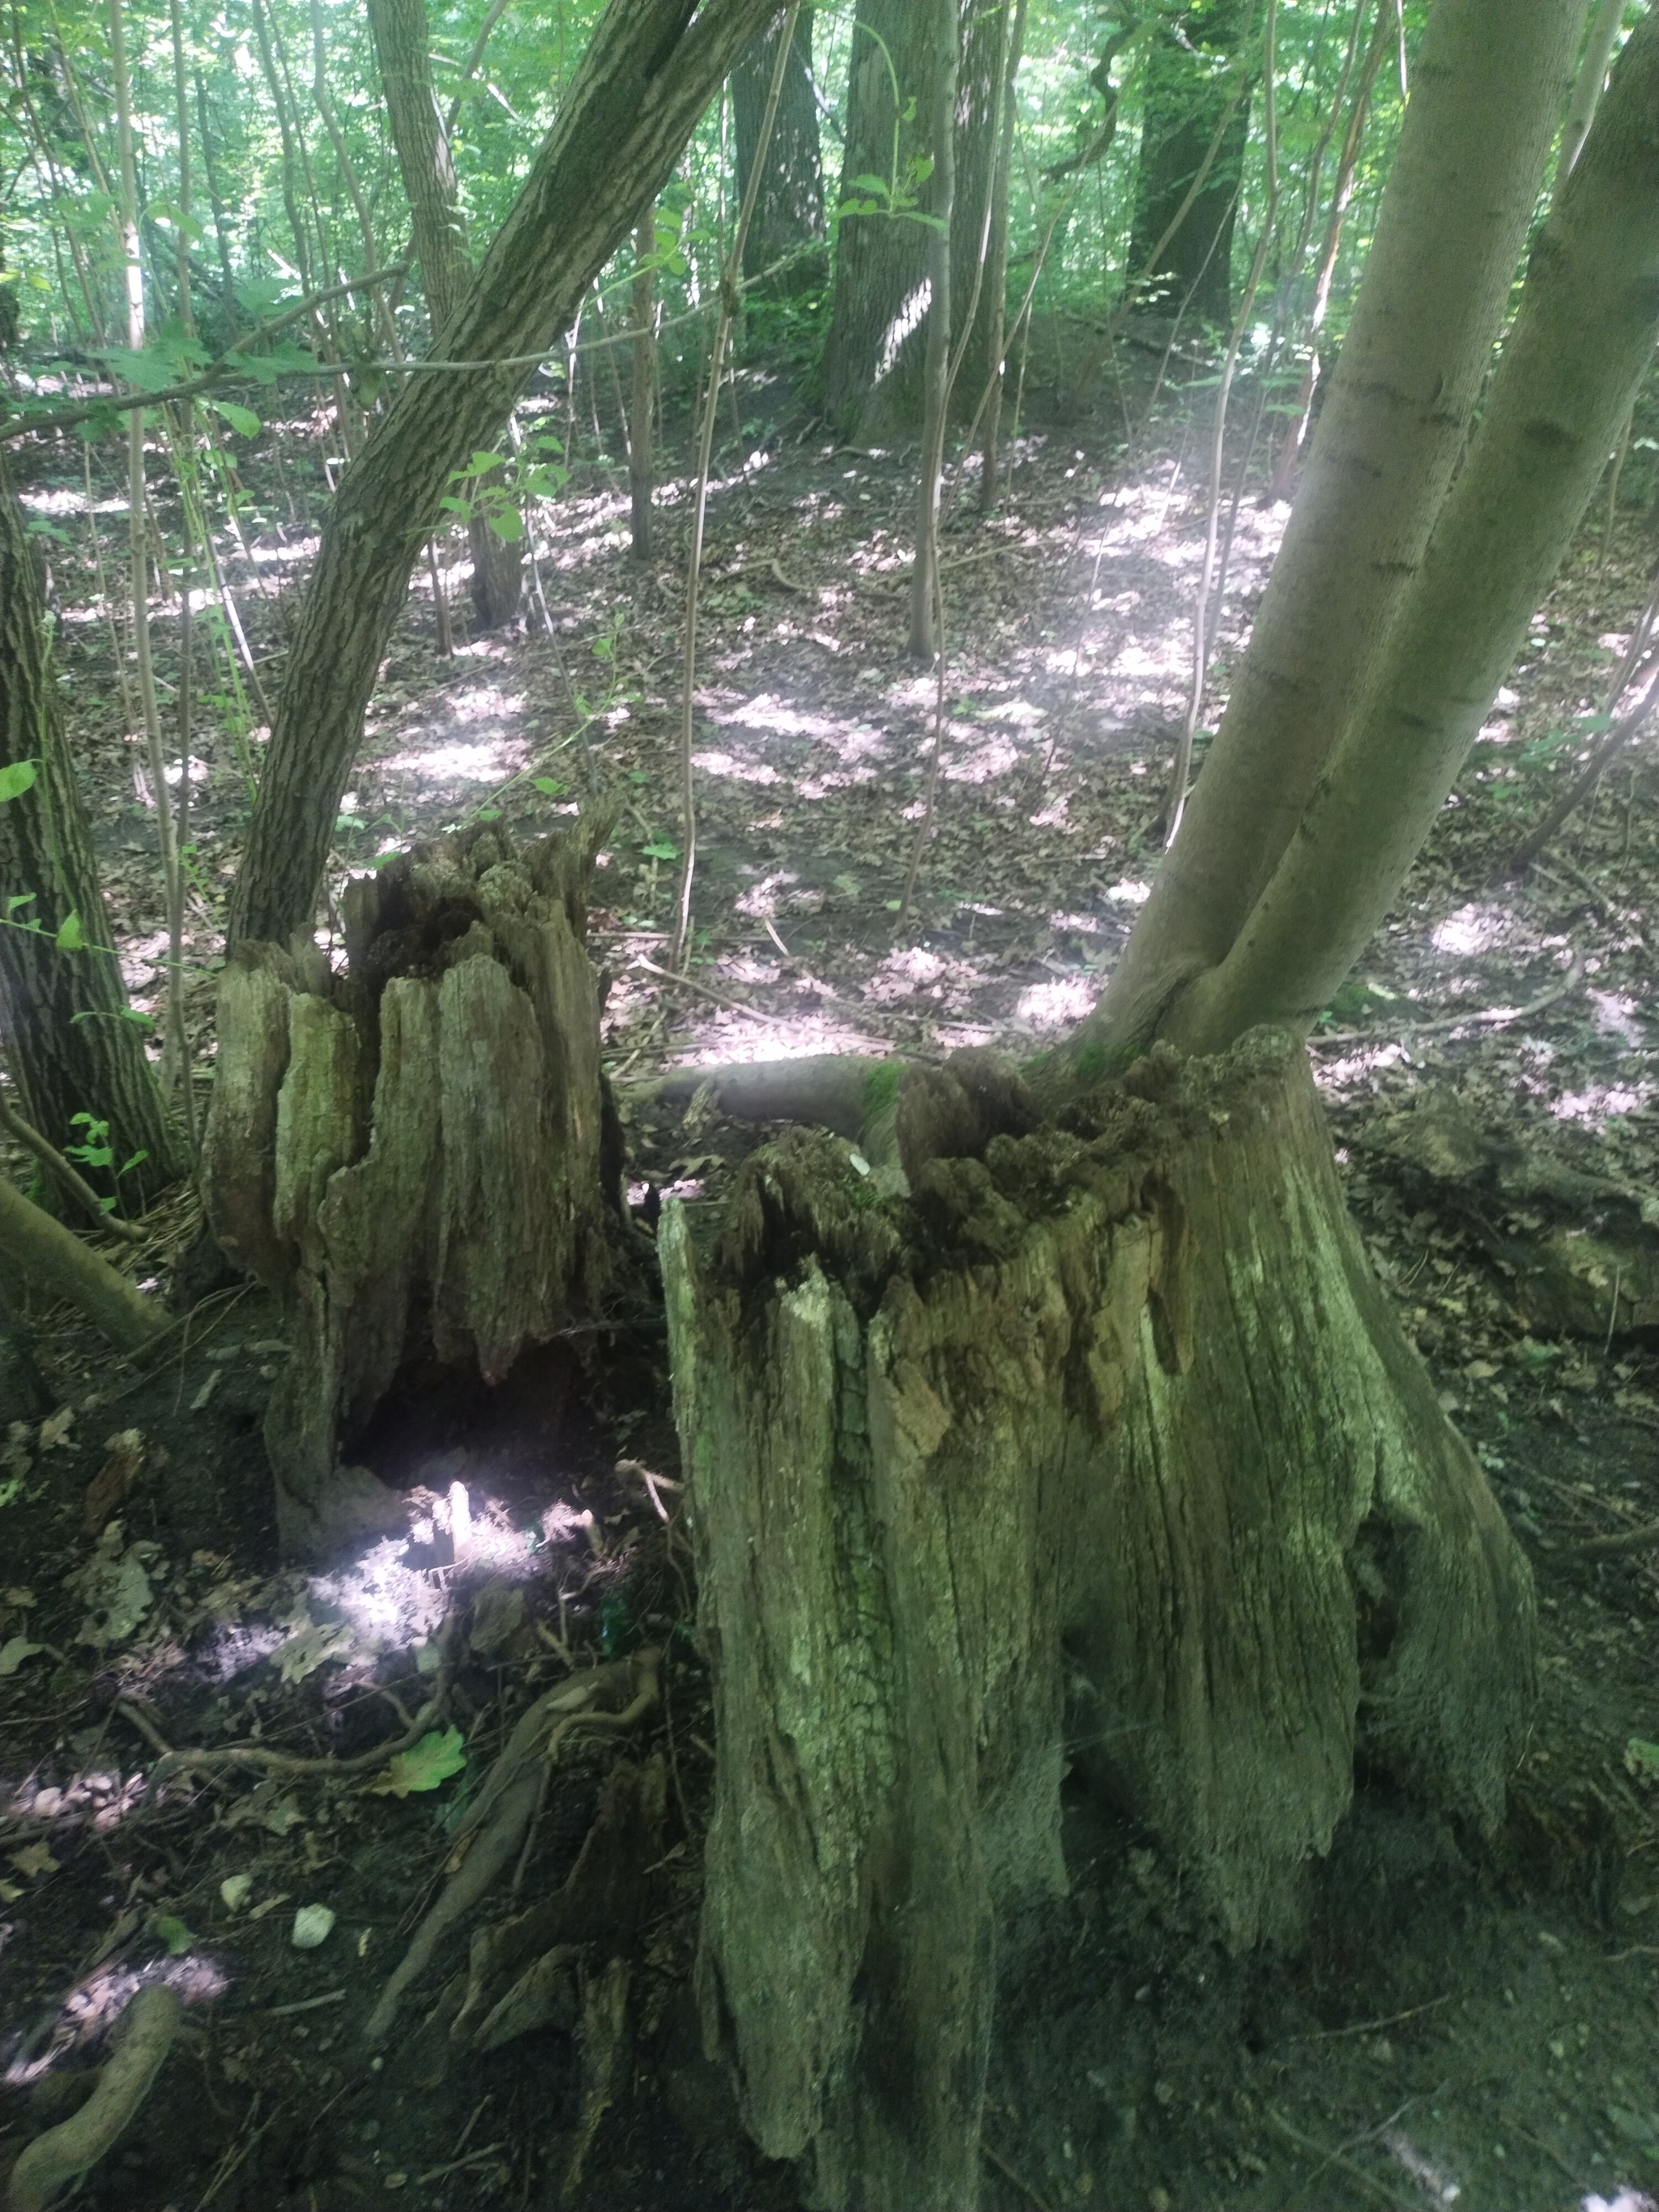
(414, 1153)
(1099, 1449)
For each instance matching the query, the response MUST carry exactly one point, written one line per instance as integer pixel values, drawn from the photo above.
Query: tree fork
(1492, 80)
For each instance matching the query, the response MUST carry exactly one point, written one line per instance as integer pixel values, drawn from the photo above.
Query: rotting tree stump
(417, 1153)
(1100, 1448)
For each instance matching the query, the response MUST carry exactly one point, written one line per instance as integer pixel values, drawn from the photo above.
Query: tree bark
(1104, 1449)
(428, 168)
(63, 1024)
(1582, 339)
(874, 354)
(1187, 86)
(646, 77)
(788, 216)
(44, 1252)
(415, 1155)
(1491, 78)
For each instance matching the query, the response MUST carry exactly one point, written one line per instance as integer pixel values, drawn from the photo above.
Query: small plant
(96, 1150)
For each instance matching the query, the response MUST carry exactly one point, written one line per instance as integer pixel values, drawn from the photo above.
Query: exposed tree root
(64, 2153)
(496, 1826)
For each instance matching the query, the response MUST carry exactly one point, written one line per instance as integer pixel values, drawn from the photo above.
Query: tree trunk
(428, 173)
(415, 1155)
(1103, 1449)
(1491, 79)
(1190, 82)
(646, 77)
(788, 217)
(874, 356)
(64, 1022)
(1582, 340)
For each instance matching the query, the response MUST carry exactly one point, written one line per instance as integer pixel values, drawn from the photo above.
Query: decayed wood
(1101, 1448)
(410, 1152)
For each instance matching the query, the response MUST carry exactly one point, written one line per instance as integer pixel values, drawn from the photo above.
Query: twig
(703, 990)
(1328, 2158)
(1498, 1015)
(1371, 2027)
(1606, 1547)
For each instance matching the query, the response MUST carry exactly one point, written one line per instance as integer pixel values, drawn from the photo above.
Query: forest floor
(1461, 2019)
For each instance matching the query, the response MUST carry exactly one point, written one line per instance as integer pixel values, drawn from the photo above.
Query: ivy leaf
(425, 1766)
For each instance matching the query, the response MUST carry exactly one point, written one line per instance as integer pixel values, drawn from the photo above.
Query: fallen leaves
(425, 1765)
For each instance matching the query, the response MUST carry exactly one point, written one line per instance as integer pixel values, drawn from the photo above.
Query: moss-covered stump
(413, 1152)
(1100, 1448)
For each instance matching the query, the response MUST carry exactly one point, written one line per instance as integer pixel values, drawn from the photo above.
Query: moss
(881, 1088)
(1091, 1062)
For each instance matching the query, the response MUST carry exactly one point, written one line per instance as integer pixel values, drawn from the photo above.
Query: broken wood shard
(413, 1152)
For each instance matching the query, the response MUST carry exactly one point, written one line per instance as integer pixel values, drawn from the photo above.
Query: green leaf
(242, 420)
(11, 1490)
(1643, 1759)
(16, 780)
(508, 525)
(548, 786)
(660, 850)
(428, 1763)
(70, 938)
(173, 1933)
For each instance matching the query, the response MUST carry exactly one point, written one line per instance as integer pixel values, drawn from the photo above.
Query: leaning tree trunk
(875, 352)
(646, 76)
(399, 31)
(415, 1154)
(64, 1028)
(788, 216)
(1189, 85)
(1101, 1448)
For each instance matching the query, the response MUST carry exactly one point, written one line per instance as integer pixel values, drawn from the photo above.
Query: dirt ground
(1462, 2019)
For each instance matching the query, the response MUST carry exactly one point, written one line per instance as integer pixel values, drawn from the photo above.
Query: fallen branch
(57, 1259)
(64, 2153)
(828, 1091)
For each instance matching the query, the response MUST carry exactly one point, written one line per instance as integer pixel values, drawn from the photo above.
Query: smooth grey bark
(641, 413)
(1582, 339)
(1492, 77)
(646, 77)
(936, 371)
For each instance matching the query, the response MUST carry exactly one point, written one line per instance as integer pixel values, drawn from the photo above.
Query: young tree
(646, 75)
(63, 1024)
(428, 173)
(1195, 110)
(788, 217)
(874, 360)
(1104, 1448)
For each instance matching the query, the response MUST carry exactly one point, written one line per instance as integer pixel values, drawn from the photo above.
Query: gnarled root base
(413, 1154)
(1102, 1448)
